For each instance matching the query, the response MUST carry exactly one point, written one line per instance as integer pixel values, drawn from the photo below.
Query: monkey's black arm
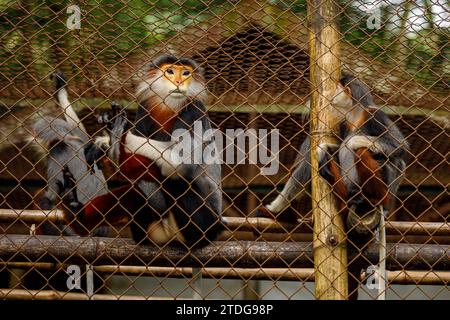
(107, 209)
(116, 122)
(73, 209)
(93, 154)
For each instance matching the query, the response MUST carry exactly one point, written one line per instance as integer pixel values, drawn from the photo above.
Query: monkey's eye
(186, 73)
(169, 71)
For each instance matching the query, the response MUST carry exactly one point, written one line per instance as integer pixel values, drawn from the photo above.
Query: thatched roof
(259, 55)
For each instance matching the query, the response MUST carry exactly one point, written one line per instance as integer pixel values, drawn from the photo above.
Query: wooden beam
(305, 226)
(31, 216)
(88, 104)
(236, 254)
(20, 294)
(257, 225)
(273, 274)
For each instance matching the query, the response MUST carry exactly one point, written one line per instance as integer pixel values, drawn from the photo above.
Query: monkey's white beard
(162, 89)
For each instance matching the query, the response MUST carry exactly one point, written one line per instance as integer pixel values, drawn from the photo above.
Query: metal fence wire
(152, 149)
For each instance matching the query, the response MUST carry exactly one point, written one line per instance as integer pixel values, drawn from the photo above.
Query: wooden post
(329, 241)
(250, 288)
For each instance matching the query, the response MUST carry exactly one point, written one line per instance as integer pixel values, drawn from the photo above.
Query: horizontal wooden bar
(89, 104)
(21, 294)
(31, 216)
(273, 274)
(305, 226)
(235, 254)
(248, 224)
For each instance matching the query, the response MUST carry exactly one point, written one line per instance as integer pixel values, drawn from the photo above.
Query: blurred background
(256, 60)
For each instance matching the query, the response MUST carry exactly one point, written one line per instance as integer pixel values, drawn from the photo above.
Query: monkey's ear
(152, 66)
(200, 71)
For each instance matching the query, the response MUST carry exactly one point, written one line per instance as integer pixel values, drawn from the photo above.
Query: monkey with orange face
(165, 200)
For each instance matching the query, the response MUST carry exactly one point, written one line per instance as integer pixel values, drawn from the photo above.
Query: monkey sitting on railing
(365, 168)
(163, 200)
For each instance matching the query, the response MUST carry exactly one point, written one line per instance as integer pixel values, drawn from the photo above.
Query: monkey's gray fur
(65, 142)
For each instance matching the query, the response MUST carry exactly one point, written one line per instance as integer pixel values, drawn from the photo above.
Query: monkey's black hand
(116, 134)
(116, 108)
(104, 118)
(327, 153)
(68, 193)
(73, 209)
(362, 216)
(45, 203)
(93, 153)
(107, 118)
(358, 202)
(59, 81)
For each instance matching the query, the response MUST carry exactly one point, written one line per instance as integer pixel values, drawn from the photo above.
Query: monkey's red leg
(138, 167)
(330, 171)
(115, 207)
(338, 184)
(370, 175)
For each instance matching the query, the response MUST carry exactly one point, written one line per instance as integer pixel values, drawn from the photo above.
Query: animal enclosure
(266, 68)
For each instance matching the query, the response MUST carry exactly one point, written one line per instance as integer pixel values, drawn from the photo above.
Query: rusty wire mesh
(256, 61)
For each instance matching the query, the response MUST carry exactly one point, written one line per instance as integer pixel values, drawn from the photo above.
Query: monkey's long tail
(61, 95)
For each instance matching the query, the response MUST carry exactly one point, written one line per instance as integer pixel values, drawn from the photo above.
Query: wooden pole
(329, 240)
(305, 226)
(252, 224)
(250, 289)
(197, 283)
(20, 294)
(31, 216)
(274, 274)
(239, 254)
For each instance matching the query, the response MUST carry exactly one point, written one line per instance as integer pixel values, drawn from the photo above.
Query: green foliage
(426, 63)
(34, 35)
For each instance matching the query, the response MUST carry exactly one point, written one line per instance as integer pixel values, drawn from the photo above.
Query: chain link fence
(253, 60)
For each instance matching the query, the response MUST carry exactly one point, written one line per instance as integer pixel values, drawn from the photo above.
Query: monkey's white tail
(69, 113)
